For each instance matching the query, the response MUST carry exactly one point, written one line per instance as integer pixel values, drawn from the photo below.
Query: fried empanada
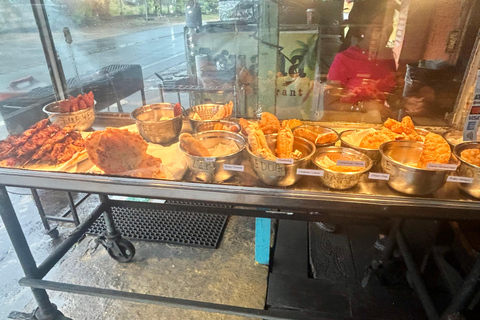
(269, 123)
(471, 156)
(326, 137)
(258, 143)
(284, 141)
(306, 134)
(293, 123)
(193, 146)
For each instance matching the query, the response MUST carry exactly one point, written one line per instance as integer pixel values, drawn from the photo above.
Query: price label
(310, 172)
(212, 159)
(346, 163)
(232, 167)
(284, 161)
(459, 179)
(442, 166)
(379, 176)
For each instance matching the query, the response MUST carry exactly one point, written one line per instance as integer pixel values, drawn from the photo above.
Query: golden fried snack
(407, 123)
(244, 124)
(292, 123)
(258, 142)
(471, 156)
(326, 137)
(284, 141)
(223, 111)
(306, 134)
(269, 123)
(375, 139)
(393, 125)
(119, 151)
(193, 146)
(218, 126)
(435, 150)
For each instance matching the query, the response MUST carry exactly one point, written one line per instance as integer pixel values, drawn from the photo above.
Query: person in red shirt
(365, 69)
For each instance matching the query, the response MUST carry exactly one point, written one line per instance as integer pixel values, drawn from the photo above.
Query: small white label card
(378, 176)
(310, 172)
(442, 166)
(233, 167)
(459, 179)
(284, 161)
(347, 163)
(210, 159)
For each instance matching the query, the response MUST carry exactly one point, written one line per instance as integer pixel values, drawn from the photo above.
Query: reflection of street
(155, 50)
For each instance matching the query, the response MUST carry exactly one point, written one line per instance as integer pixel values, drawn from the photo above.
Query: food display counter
(326, 136)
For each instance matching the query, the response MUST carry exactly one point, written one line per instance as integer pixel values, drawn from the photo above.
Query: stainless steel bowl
(278, 174)
(373, 154)
(341, 180)
(455, 137)
(83, 119)
(468, 170)
(408, 179)
(320, 130)
(208, 126)
(212, 171)
(205, 111)
(152, 128)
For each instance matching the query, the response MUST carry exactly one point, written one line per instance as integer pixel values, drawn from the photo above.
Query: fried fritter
(327, 137)
(375, 139)
(284, 141)
(269, 123)
(292, 123)
(435, 150)
(471, 156)
(306, 134)
(193, 146)
(258, 142)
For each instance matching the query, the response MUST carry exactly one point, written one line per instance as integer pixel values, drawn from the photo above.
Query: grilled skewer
(49, 144)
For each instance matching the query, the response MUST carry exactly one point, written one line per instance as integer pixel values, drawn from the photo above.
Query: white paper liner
(223, 149)
(326, 162)
(356, 137)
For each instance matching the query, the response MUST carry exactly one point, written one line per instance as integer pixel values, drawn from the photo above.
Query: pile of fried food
(80, 102)
(471, 156)
(284, 145)
(222, 113)
(330, 162)
(42, 143)
(122, 152)
(195, 147)
(435, 150)
(221, 126)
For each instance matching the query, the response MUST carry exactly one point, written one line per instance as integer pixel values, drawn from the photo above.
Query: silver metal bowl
(83, 119)
(278, 174)
(208, 126)
(396, 155)
(341, 180)
(373, 154)
(455, 137)
(205, 111)
(152, 128)
(320, 130)
(211, 169)
(469, 170)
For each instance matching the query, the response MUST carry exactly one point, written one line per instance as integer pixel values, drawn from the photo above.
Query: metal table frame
(277, 203)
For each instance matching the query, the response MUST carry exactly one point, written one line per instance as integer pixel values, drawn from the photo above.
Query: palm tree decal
(306, 55)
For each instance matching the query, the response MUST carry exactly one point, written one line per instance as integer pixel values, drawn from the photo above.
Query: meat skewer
(23, 138)
(37, 140)
(49, 144)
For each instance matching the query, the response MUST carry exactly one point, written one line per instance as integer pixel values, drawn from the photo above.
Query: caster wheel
(127, 251)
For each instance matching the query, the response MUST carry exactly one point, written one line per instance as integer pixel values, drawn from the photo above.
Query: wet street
(155, 50)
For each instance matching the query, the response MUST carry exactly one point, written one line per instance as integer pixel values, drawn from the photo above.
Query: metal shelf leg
(52, 232)
(46, 310)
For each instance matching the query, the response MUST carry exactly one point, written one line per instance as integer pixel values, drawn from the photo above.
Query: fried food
(285, 142)
(292, 123)
(80, 102)
(218, 126)
(393, 125)
(327, 137)
(223, 111)
(306, 134)
(330, 162)
(193, 146)
(375, 139)
(119, 151)
(317, 138)
(435, 150)
(471, 156)
(269, 123)
(258, 143)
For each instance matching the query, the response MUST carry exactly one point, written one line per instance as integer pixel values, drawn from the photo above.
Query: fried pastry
(244, 124)
(471, 156)
(258, 142)
(435, 150)
(269, 123)
(393, 125)
(293, 123)
(284, 141)
(193, 146)
(306, 134)
(218, 126)
(374, 140)
(326, 137)
(119, 151)
(224, 111)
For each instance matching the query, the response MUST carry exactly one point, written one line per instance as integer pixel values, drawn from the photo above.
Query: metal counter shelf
(309, 200)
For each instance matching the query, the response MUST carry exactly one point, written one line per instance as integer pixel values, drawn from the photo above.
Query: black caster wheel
(53, 233)
(127, 251)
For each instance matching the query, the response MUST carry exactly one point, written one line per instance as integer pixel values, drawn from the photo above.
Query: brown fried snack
(471, 156)
(119, 151)
(223, 111)
(306, 134)
(244, 124)
(435, 150)
(258, 142)
(375, 139)
(218, 126)
(193, 146)
(326, 137)
(292, 123)
(269, 123)
(284, 141)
